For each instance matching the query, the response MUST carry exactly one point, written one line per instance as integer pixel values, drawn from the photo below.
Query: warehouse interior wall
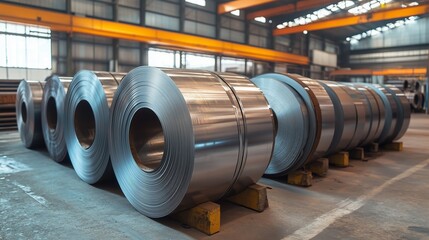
(400, 47)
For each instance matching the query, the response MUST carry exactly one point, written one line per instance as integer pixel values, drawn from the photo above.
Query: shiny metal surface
(53, 125)
(28, 109)
(361, 121)
(345, 116)
(390, 112)
(258, 130)
(404, 112)
(86, 110)
(327, 115)
(202, 128)
(372, 115)
(314, 120)
(291, 124)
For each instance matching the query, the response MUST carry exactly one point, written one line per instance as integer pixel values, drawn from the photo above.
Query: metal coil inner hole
(84, 124)
(146, 138)
(24, 112)
(51, 113)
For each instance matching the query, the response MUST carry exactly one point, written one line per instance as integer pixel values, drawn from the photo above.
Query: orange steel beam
(75, 24)
(290, 8)
(380, 72)
(354, 20)
(240, 4)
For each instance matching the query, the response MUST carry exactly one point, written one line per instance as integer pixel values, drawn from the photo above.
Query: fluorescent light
(197, 2)
(260, 19)
(235, 12)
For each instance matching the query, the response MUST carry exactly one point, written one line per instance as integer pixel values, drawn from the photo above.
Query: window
(25, 46)
(163, 58)
(200, 61)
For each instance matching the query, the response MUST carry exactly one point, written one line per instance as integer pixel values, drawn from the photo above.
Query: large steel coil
(361, 106)
(86, 119)
(345, 116)
(291, 124)
(314, 104)
(181, 137)
(391, 113)
(8, 89)
(374, 115)
(403, 113)
(53, 125)
(28, 109)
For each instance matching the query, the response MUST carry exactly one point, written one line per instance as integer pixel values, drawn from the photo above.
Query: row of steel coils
(176, 138)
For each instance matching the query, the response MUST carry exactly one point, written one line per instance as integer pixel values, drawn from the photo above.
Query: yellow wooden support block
(372, 148)
(204, 217)
(253, 197)
(340, 159)
(357, 153)
(300, 178)
(320, 167)
(394, 146)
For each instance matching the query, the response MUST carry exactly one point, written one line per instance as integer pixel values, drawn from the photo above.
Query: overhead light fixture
(305, 32)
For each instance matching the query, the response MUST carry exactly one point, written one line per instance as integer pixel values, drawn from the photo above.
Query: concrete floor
(384, 198)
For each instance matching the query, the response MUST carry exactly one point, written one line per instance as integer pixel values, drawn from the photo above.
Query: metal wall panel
(411, 34)
(52, 4)
(162, 21)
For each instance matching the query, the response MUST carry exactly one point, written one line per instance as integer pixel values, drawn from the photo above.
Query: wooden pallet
(303, 178)
(393, 146)
(340, 159)
(206, 216)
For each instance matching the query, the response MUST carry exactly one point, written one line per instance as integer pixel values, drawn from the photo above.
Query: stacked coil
(181, 137)
(305, 120)
(8, 90)
(319, 118)
(53, 124)
(86, 121)
(28, 110)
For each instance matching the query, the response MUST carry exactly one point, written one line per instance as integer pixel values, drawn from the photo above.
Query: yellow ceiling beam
(240, 4)
(345, 21)
(290, 8)
(75, 24)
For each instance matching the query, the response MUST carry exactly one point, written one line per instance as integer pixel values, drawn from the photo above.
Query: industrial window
(24, 46)
(200, 61)
(163, 58)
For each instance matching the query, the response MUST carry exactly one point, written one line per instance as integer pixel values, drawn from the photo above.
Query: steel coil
(86, 120)
(291, 124)
(361, 107)
(314, 117)
(403, 113)
(53, 125)
(28, 109)
(390, 110)
(375, 115)
(181, 137)
(345, 116)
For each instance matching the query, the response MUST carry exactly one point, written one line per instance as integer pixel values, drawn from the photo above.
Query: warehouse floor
(384, 198)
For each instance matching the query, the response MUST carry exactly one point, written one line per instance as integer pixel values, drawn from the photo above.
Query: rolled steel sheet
(291, 124)
(181, 137)
(53, 125)
(345, 116)
(28, 108)
(390, 110)
(86, 122)
(374, 114)
(415, 99)
(403, 113)
(314, 118)
(361, 107)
